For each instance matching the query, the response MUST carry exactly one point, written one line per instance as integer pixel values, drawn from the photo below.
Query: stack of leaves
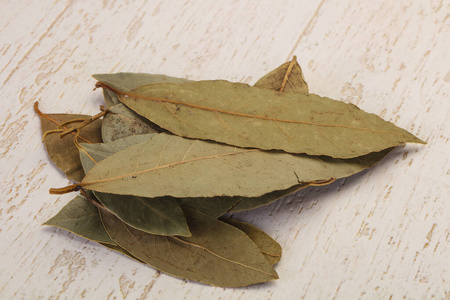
(167, 158)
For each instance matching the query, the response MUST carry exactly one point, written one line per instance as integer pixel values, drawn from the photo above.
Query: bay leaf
(152, 215)
(216, 253)
(286, 78)
(266, 245)
(82, 218)
(168, 165)
(121, 122)
(245, 116)
(63, 151)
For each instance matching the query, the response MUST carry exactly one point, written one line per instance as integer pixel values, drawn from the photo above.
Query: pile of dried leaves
(164, 161)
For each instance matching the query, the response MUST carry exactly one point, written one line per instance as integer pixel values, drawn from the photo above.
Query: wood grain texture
(383, 234)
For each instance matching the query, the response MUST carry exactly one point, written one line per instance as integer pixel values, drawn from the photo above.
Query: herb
(177, 155)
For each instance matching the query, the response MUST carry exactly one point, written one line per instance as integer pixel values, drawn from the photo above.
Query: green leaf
(286, 78)
(266, 245)
(168, 165)
(245, 116)
(82, 218)
(121, 122)
(63, 151)
(216, 253)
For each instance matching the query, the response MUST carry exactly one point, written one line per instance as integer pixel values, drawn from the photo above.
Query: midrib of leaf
(164, 166)
(40, 113)
(119, 93)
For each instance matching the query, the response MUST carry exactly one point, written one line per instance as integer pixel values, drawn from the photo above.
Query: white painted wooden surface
(383, 234)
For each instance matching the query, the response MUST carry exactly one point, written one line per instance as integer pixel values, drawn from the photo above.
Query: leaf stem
(45, 116)
(288, 72)
(64, 190)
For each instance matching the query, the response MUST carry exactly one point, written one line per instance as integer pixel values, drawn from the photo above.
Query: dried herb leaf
(168, 165)
(82, 218)
(157, 216)
(286, 78)
(62, 151)
(241, 115)
(216, 253)
(266, 245)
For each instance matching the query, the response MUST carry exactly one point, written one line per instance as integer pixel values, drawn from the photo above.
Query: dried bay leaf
(286, 78)
(182, 167)
(152, 215)
(245, 116)
(216, 253)
(266, 245)
(82, 218)
(62, 151)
